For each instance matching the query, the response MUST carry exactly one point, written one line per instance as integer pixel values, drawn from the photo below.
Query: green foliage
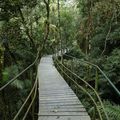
(18, 84)
(76, 52)
(9, 73)
(113, 110)
(90, 28)
(16, 51)
(112, 66)
(100, 28)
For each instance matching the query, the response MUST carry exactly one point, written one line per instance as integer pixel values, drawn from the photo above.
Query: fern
(112, 110)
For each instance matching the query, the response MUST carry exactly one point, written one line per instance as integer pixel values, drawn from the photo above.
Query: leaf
(18, 84)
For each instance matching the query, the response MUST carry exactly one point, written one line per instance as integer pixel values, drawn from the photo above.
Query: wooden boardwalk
(56, 99)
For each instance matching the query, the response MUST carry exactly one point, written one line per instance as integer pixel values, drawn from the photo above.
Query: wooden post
(76, 91)
(96, 88)
(71, 70)
(75, 65)
(96, 80)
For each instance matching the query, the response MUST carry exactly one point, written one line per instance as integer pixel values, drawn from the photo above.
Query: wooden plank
(82, 113)
(56, 91)
(64, 118)
(63, 110)
(62, 107)
(53, 95)
(58, 103)
(59, 94)
(56, 98)
(60, 99)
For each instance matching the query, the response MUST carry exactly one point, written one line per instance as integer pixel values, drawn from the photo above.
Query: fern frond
(112, 110)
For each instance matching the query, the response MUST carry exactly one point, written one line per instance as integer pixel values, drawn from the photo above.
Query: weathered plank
(64, 118)
(56, 98)
(54, 113)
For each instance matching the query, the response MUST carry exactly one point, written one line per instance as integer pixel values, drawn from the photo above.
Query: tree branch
(47, 24)
(26, 28)
(107, 36)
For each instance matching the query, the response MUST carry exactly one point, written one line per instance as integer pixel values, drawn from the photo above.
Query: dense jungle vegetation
(89, 29)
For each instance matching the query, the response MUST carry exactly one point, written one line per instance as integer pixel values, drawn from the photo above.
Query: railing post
(75, 66)
(96, 80)
(72, 71)
(94, 113)
(96, 88)
(76, 90)
(63, 68)
(33, 107)
(88, 73)
(72, 67)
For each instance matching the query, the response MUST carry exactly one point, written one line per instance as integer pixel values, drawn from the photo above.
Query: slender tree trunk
(59, 32)
(26, 28)
(2, 95)
(47, 24)
(108, 34)
(1, 62)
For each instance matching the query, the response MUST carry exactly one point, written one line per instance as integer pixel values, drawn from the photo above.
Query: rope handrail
(83, 89)
(31, 103)
(27, 68)
(23, 105)
(87, 85)
(110, 82)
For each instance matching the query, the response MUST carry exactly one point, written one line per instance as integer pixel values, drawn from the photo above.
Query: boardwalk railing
(72, 81)
(67, 72)
(32, 93)
(91, 68)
